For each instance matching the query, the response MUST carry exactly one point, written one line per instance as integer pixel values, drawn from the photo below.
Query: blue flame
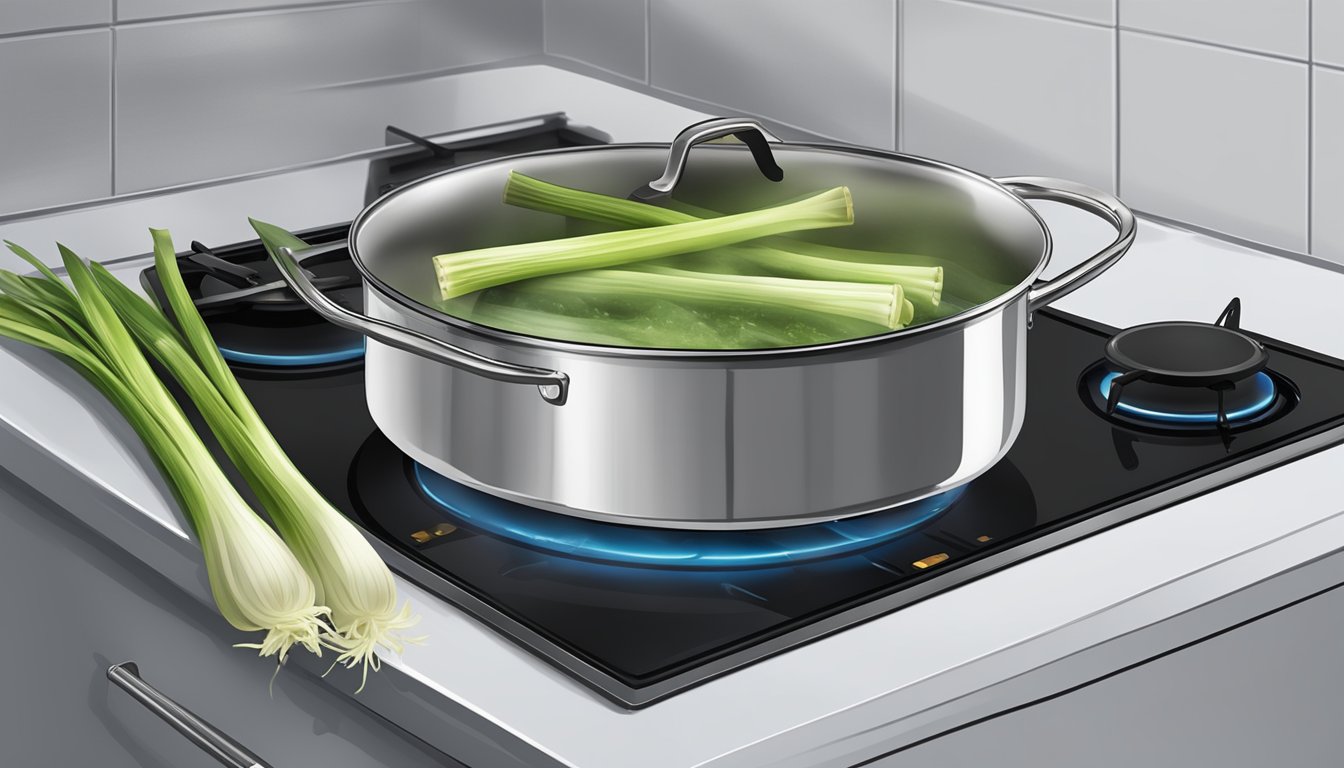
(293, 361)
(636, 545)
(1264, 386)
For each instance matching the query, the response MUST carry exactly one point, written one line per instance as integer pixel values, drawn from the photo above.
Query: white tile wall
(190, 107)
(809, 64)
(55, 127)
(1095, 11)
(1327, 27)
(1273, 26)
(1036, 96)
(605, 33)
(1215, 137)
(200, 85)
(1327, 217)
(31, 15)
(460, 33)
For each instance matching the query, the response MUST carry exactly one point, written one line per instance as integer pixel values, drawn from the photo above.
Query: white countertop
(835, 701)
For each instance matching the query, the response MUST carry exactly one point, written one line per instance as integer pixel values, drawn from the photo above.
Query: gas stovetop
(640, 614)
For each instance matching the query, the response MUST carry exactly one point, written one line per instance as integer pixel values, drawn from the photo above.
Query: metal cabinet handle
(553, 385)
(1094, 201)
(126, 676)
(748, 131)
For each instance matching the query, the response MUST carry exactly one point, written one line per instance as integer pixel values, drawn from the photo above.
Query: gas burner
(249, 341)
(669, 548)
(1187, 376)
(256, 321)
(1242, 401)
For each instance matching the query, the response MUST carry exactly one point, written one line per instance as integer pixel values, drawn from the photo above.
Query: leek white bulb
(257, 582)
(352, 579)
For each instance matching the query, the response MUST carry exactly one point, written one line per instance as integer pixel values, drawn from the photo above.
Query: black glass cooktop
(640, 618)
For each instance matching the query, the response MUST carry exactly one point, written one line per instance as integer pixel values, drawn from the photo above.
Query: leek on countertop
(469, 271)
(256, 581)
(349, 575)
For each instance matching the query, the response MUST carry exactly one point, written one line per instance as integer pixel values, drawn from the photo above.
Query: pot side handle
(553, 385)
(1094, 201)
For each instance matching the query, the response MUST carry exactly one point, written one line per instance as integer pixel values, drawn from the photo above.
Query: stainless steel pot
(709, 439)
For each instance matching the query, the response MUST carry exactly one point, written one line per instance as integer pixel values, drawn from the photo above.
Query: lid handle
(745, 129)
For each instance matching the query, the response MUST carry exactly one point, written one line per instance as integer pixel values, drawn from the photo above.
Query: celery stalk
(880, 304)
(969, 285)
(469, 271)
(923, 284)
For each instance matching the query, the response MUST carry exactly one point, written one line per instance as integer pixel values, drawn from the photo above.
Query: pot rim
(1017, 292)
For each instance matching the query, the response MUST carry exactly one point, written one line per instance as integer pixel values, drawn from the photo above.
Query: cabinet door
(72, 606)
(1266, 693)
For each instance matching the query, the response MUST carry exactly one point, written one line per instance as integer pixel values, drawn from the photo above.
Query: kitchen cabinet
(74, 604)
(1266, 693)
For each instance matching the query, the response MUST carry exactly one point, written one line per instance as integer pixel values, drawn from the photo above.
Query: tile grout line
(897, 73)
(270, 10)
(1219, 46)
(694, 103)
(648, 42)
(112, 110)
(1030, 12)
(275, 10)
(1311, 120)
(1115, 101)
(52, 31)
(1117, 25)
(1152, 33)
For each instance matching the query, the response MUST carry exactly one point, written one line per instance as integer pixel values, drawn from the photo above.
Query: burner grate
(1187, 373)
(254, 319)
